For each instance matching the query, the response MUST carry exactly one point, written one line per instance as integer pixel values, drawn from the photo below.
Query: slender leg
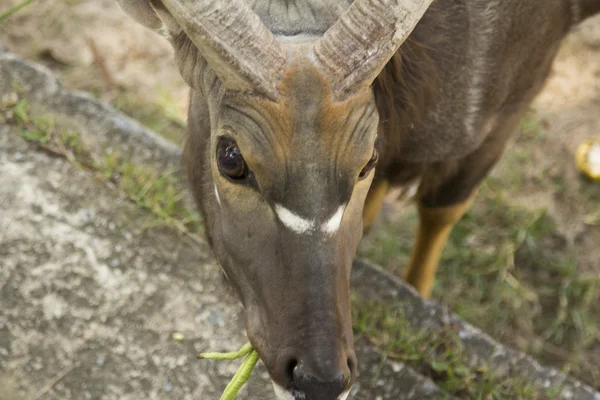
(374, 202)
(435, 225)
(446, 192)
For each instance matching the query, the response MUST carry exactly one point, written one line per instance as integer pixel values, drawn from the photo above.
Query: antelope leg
(374, 202)
(435, 225)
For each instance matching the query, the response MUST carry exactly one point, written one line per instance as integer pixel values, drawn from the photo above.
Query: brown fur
(410, 81)
(410, 86)
(405, 90)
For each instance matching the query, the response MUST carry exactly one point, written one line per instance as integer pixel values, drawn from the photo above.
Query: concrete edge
(107, 127)
(479, 346)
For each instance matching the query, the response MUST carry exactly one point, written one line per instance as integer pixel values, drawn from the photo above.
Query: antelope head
(280, 157)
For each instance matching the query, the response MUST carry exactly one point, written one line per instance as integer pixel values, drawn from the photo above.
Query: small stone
(396, 366)
(10, 99)
(87, 216)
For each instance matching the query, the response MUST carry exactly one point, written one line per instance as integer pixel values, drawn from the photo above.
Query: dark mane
(409, 82)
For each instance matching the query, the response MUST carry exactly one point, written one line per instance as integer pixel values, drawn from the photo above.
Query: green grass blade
(245, 350)
(14, 9)
(241, 376)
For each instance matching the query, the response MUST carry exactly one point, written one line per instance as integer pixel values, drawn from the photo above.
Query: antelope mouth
(283, 394)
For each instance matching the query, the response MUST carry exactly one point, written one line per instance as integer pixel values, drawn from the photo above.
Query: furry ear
(142, 11)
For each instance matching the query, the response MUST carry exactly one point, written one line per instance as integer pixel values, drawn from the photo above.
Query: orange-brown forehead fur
(308, 119)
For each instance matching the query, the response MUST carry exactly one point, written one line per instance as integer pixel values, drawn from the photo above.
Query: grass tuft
(507, 269)
(161, 193)
(15, 9)
(436, 354)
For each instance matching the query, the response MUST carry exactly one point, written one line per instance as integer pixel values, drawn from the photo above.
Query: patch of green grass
(590, 193)
(437, 354)
(391, 245)
(34, 136)
(44, 132)
(505, 270)
(21, 110)
(5, 14)
(521, 282)
(161, 193)
(532, 126)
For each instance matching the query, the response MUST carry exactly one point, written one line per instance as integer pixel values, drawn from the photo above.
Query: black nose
(321, 375)
(320, 389)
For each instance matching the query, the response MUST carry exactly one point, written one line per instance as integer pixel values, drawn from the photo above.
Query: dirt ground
(93, 46)
(529, 273)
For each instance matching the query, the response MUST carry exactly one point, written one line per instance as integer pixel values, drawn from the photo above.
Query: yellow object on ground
(243, 373)
(587, 158)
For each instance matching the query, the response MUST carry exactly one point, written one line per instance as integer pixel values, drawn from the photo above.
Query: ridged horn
(233, 40)
(357, 47)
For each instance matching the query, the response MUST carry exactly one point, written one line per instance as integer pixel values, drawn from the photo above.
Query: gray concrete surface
(90, 297)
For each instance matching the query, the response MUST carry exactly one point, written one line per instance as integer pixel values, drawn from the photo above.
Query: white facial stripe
(344, 395)
(293, 221)
(333, 224)
(281, 393)
(217, 195)
(301, 225)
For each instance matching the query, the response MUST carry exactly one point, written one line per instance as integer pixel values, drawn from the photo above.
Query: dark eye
(230, 161)
(370, 165)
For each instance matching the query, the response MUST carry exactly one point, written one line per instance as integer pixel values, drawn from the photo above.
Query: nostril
(351, 366)
(325, 378)
(289, 369)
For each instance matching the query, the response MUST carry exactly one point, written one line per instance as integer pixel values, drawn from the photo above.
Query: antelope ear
(142, 11)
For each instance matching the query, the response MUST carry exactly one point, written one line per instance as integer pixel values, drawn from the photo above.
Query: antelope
(304, 113)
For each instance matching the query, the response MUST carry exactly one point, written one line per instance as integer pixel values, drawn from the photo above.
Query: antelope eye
(230, 161)
(370, 165)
